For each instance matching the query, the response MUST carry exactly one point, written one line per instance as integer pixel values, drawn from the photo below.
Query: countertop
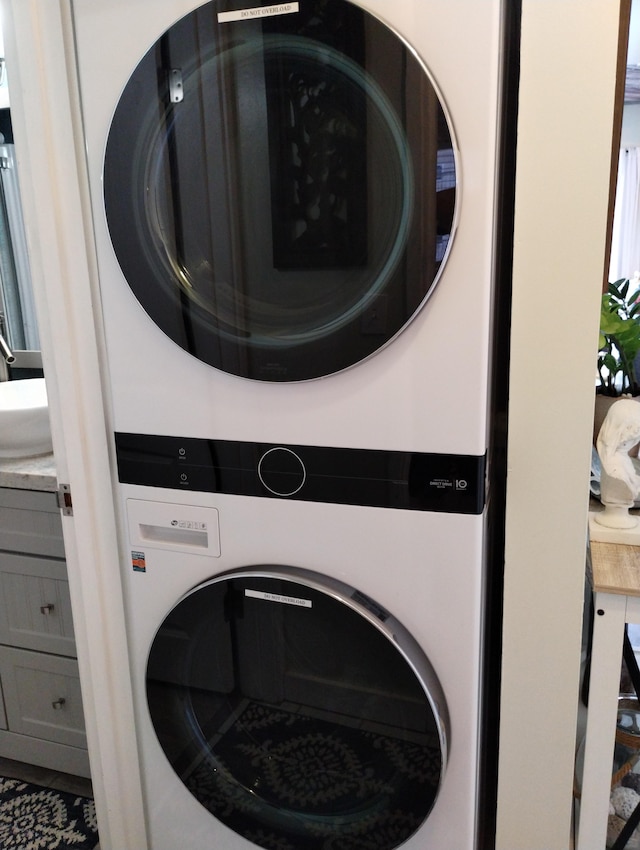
(616, 568)
(29, 473)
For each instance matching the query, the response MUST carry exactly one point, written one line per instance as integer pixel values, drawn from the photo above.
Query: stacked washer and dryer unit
(294, 211)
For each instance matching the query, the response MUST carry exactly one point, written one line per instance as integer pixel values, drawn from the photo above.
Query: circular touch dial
(282, 472)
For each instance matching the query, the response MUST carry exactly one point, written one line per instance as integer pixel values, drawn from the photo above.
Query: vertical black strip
(490, 734)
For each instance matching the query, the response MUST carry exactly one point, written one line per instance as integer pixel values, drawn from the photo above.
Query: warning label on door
(258, 12)
(277, 597)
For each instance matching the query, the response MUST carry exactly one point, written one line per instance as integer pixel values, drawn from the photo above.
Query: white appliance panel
(427, 389)
(411, 560)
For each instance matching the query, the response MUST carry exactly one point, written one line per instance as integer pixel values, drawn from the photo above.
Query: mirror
(18, 324)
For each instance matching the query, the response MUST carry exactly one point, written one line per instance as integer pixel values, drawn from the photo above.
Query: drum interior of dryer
(298, 711)
(280, 191)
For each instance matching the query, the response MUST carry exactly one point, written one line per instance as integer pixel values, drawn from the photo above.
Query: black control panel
(373, 478)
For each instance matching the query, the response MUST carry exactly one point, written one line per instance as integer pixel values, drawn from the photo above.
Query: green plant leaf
(611, 363)
(612, 323)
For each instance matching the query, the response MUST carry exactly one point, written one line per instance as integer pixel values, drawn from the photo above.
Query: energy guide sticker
(258, 12)
(138, 562)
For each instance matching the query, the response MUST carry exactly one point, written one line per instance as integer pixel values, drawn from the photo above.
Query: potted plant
(618, 347)
(619, 342)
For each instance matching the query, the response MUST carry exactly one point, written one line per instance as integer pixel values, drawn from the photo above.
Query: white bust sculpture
(619, 482)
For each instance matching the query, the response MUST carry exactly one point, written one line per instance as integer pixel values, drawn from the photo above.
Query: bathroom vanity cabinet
(41, 716)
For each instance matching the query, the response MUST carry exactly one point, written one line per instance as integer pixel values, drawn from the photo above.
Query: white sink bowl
(24, 418)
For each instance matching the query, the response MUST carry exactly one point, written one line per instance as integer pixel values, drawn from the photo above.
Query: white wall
(564, 147)
(630, 137)
(631, 115)
(633, 52)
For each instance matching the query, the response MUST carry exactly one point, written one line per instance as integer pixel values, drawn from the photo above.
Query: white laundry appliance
(306, 675)
(294, 216)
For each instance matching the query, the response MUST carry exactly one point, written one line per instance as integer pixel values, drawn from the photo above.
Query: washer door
(298, 711)
(280, 186)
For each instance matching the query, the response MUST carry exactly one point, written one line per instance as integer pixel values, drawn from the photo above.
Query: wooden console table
(616, 588)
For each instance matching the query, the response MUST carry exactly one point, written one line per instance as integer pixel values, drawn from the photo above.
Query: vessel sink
(24, 418)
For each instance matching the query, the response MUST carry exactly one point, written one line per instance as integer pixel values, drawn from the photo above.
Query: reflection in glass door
(298, 712)
(281, 192)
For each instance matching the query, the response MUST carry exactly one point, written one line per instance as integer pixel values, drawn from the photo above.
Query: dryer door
(298, 711)
(279, 184)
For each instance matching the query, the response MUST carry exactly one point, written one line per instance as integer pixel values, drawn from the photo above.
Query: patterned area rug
(36, 818)
(316, 785)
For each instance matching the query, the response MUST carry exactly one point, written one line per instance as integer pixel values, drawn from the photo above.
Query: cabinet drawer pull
(47, 609)
(57, 704)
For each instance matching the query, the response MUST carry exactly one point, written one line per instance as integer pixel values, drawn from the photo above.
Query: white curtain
(625, 242)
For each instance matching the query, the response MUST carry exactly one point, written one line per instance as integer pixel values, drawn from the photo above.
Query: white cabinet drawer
(30, 522)
(42, 696)
(35, 606)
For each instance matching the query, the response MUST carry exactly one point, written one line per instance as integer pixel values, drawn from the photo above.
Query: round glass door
(298, 712)
(280, 188)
